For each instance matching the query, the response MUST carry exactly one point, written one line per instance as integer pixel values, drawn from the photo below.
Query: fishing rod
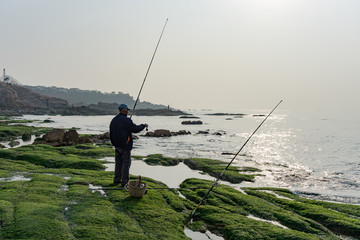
(147, 72)
(217, 180)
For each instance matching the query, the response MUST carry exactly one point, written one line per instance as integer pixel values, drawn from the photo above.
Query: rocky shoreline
(48, 191)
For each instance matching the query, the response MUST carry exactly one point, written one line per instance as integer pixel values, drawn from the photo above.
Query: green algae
(215, 167)
(56, 203)
(88, 150)
(9, 131)
(159, 159)
(52, 206)
(322, 212)
(51, 157)
(226, 211)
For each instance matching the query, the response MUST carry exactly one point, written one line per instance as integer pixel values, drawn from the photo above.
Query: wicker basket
(137, 188)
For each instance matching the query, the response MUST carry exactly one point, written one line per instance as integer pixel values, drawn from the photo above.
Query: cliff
(16, 99)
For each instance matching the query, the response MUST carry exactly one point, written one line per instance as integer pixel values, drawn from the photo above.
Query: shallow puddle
(201, 236)
(97, 189)
(172, 176)
(15, 178)
(267, 221)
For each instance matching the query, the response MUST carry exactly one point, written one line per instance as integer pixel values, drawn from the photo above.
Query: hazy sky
(219, 54)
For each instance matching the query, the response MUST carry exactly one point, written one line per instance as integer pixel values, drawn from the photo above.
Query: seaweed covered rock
(215, 167)
(26, 137)
(53, 157)
(60, 204)
(14, 143)
(12, 129)
(263, 215)
(159, 159)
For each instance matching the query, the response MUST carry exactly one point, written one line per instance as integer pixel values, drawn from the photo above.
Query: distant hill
(16, 99)
(80, 97)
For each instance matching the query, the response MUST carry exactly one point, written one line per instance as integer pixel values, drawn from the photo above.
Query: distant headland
(17, 99)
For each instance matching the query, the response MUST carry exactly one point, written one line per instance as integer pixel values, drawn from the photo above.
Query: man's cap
(123, 106)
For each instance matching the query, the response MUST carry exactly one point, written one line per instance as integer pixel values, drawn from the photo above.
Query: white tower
(5, 79)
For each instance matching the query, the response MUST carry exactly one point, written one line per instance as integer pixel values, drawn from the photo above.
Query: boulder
(104, 136)
(55, 136)
(192, 122)
(83, 139)
(58, 137)
(150, 134)
(2, 146)
(48, 121)
(162, 133)
(71, 137)
(101, 138)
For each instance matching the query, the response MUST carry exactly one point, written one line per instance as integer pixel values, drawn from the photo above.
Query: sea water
(316, 155)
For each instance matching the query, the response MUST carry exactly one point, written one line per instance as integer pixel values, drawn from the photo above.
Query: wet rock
(2, 146)
(159, 133)
(26, 137)
(58, 137)
(71, 137)
(189, 116)
(181, 132)
(218, 133)
(83, 139)
(48, 121)
(228, 153)
(166, 133)
(55, 136)
(192, 122)
(101, 138)
(203, 132)
(162, 133)
(150, 134)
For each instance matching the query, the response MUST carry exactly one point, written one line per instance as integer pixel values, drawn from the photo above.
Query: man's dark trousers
(122, 165)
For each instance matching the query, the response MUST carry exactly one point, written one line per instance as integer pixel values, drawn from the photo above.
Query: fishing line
(147, 72)
(217, 180)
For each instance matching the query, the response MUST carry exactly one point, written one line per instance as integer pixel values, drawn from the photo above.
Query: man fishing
(121, 129)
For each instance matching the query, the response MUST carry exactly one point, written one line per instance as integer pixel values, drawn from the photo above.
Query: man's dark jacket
(121, 128)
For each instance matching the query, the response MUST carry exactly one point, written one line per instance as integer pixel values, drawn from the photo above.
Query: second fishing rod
(218, 179)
